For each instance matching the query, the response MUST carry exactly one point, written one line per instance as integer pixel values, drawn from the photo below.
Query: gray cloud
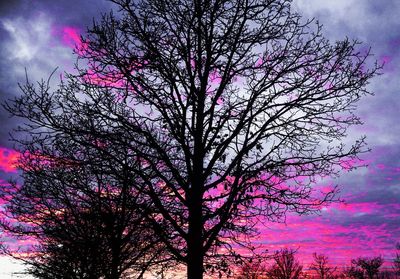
(27, 41)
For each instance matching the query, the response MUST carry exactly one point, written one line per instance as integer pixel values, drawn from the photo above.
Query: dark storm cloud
(9, 8)
(26, 41)
(75, 12)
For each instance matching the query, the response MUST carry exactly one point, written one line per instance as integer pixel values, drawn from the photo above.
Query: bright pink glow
(344, 230)
(358, 209)
(215, 77)
(71, 37)
(340, 242)
(389, 172)
(259, 62)
(329, 86)
(192, 61)
(8, 160)
(115, 80)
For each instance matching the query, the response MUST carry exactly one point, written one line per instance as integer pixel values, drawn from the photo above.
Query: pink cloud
(387, 61)
(70, 37)
(259, 62)
(357, 208)
(8, 160)
(340, 242)
(115, 80)
(215, 77)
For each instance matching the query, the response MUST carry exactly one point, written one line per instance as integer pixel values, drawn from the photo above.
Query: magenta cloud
(8, 160)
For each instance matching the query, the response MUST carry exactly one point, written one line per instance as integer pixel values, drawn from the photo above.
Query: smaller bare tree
(253, 270)
(370, 266)
(322, 267)
(286, 266)
(396, 261)
(353, 272)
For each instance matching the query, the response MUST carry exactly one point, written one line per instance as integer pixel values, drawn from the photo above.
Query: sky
(39, 35)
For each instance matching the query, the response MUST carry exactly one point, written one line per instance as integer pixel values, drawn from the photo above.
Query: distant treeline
(283, 264)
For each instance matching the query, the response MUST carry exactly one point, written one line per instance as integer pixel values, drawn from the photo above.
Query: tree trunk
(195, 253)
(195, 246)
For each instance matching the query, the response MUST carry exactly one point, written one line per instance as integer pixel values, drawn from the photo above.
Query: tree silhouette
(234, 109)
(286, 266)
(370, 266)
(80, 209)
(396, 260)
(354, 272)
(253, 269)
(322, 267)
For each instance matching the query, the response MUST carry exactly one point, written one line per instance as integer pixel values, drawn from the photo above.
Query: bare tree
(370, 266)
(253, 270)
(81, 210)
(322, 267)
(396, 260)
(234, 109)
(354, 272)
(386, 274)
(286, 266)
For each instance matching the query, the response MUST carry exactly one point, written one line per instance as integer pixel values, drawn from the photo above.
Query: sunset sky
(39, 35)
